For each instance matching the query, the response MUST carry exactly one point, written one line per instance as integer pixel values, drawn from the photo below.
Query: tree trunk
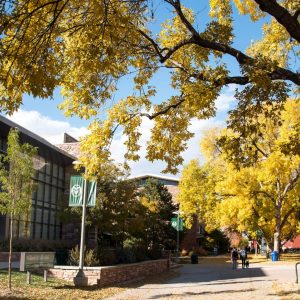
(10, 250)
(277, 233)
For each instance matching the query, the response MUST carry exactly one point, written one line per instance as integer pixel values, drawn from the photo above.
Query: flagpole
(80, 279)
(82, 238)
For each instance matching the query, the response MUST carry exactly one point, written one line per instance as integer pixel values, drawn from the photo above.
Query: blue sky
(43, 117)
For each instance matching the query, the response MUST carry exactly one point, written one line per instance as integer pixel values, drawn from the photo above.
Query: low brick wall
(68, 273)
(107, 276)
(15, 256)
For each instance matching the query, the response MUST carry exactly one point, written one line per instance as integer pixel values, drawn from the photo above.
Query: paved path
(219, 281)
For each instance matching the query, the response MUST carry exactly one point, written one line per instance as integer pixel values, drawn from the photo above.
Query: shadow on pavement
(201, 293)
(245, 281)
(202, 273)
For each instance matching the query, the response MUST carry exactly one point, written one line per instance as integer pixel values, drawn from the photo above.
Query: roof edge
(34, 136)
(154, 176)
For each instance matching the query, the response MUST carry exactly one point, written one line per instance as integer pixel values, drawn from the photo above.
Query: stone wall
(107, 276)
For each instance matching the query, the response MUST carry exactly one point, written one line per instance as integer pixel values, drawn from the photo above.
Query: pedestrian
(234, 258)
(243, 257)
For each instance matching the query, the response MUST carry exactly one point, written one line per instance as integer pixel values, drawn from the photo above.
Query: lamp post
(80, 279)
(177, 233)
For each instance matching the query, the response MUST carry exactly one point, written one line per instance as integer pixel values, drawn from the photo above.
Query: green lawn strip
(53, 289)
(60, 289)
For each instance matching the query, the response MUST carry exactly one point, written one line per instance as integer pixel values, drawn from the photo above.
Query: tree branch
(243, 59)
(291, 183)
(265, 194)
(162, 111)
(258, 149)
(282, 15)
(286, 217)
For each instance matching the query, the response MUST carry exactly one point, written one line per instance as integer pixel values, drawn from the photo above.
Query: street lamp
(80, 279)
(178, 212)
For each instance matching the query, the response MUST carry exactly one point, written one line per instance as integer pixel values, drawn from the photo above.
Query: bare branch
(282, 15)
(162, 111)
(242, 58)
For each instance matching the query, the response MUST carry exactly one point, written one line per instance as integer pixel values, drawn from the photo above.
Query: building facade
(169, 182)
(53, 167)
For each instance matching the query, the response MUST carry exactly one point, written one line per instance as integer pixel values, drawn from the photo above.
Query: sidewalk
(219, 281)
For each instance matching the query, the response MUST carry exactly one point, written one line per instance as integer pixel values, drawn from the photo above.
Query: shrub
(107, 257)
(125, 256)
(37, 245)
(90, 258)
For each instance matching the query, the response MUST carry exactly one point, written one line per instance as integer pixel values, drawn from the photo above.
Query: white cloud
(49, 129)
(224, 101)
(143, 166)
(52, 130)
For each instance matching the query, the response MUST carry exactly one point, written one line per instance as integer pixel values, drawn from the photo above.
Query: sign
(36, 260)
(92, 190)
(259, 233)
(77, 191)
(177, 223)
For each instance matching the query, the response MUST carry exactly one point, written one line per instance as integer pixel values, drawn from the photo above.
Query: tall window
(44, 222)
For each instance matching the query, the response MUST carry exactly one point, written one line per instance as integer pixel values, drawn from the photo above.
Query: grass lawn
(59, 289)
(53, 289)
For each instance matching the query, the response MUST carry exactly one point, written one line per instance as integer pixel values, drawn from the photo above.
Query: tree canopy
(86, 47)
(256, 181)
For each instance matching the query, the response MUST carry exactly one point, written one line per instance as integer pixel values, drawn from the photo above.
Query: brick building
(53, 167)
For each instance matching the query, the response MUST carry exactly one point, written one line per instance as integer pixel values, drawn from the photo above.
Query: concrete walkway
(219, 281)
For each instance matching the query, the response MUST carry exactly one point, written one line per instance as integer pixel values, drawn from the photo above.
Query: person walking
(234, 258)
(243, 257)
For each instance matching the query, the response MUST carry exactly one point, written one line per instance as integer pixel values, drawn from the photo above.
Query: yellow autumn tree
(259, 185)
(85, 47)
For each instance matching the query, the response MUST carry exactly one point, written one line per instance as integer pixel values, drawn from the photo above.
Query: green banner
(92, 189)
(77, 189)
(177, 223)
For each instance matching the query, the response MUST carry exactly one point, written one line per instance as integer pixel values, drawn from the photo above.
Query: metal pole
(177, 241)
(82, 239)
(297, 271)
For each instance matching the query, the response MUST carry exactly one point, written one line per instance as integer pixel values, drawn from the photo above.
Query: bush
(125, 256)
(154, 253)
(137, 248)
(90, 258)
(29, 245)
(107, 257)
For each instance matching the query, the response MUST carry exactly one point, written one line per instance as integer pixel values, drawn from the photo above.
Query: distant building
(53, 167)
(169, 182)
(292, 244)
(192, 236)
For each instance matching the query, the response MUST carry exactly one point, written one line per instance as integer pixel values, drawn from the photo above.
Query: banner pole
(82, 238)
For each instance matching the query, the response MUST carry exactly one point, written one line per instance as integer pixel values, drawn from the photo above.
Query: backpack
(234, 254)
(243, 253)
